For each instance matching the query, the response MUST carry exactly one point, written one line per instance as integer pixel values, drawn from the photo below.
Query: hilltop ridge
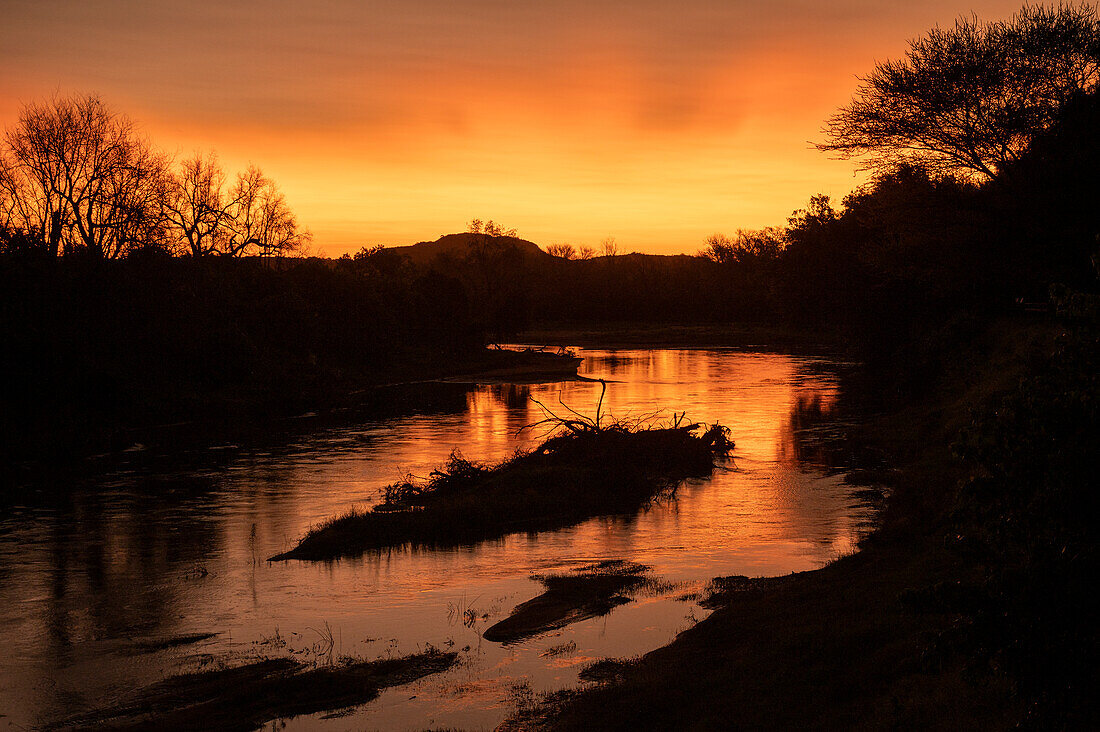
(459, 245)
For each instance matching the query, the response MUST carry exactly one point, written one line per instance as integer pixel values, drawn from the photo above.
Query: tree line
(76, 177)
(982, 143)
(919, 246)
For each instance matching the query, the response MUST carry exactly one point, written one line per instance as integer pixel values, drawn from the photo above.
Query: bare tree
(28, 207)
(75, 175)
(745, 247)
(196, 204)
(609, 247)
(564, 251)
(82, 176)
(127, 212)
(260, 222)
(968, 100)
(586, 252)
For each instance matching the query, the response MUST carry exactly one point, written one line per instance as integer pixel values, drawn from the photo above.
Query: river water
(92, 584)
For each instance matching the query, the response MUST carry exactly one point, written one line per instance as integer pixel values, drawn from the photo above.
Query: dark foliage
(969, 99)
(1027, 514)
(94, 348)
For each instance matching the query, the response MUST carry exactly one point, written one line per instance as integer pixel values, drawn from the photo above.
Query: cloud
(652, 107)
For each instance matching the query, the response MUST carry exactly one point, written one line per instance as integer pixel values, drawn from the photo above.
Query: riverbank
(103, 356)
(906, 632)
(179, 418)
(248, 696)
(627, 335)
(190, 538)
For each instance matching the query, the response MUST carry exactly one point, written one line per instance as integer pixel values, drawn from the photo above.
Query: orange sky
(395, 121)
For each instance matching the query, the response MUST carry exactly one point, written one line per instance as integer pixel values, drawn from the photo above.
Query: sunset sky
(395, 121)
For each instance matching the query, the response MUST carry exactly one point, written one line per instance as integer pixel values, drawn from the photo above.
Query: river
(93, 583)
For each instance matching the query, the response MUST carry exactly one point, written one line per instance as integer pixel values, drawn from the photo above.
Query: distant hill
(459, 245)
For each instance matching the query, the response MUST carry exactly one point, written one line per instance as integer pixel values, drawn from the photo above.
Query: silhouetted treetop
(968, 100)
(489, 228)
(75, 176)
(562, 251)
(745, 247)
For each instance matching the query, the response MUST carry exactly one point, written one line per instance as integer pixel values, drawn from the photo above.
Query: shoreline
(198, 419)
(630, 335)
(256, 415)
(849, 645)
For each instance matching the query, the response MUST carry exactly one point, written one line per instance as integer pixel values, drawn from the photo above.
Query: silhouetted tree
(807, 223)
(746, 247)
(260, 221)
(29, 212)
(609, 247)
(1048, 212)
(196, 204)
(564, 251)
(489, 228)
(968, 100)
(20, 242)
(367, 253)
(77, 174)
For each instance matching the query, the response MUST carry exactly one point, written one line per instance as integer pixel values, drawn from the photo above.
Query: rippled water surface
(147, 553)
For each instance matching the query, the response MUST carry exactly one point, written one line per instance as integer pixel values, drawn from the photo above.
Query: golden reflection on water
(152, 554)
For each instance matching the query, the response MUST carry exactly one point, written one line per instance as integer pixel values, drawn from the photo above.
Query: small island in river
(587, 470)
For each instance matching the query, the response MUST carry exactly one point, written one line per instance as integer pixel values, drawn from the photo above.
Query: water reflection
(158, 550)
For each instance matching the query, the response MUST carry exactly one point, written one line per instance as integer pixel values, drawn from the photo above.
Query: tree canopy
(968, 100)
(75, 176)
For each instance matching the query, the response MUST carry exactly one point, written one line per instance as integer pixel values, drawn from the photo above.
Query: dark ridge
(462, 245)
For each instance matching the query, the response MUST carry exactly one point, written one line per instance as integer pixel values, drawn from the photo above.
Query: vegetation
(97, 352)
(76, 177)
(589, 469)
(249, 696)
(1025, 514)
(969, 100)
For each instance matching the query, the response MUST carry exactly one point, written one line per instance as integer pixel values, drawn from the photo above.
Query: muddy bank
(247, 697)
(629, 335)
(582, 473)
(529, 365)
(586, 592)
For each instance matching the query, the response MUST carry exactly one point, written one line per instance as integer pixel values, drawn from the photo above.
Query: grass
(585, 592)
(247, 697)
(590, 468)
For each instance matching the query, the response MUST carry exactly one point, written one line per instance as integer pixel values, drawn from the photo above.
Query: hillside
(459, 246)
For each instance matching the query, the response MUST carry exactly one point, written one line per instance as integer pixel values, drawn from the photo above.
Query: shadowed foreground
(570, 477)
(827, 649)
(971, 607)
